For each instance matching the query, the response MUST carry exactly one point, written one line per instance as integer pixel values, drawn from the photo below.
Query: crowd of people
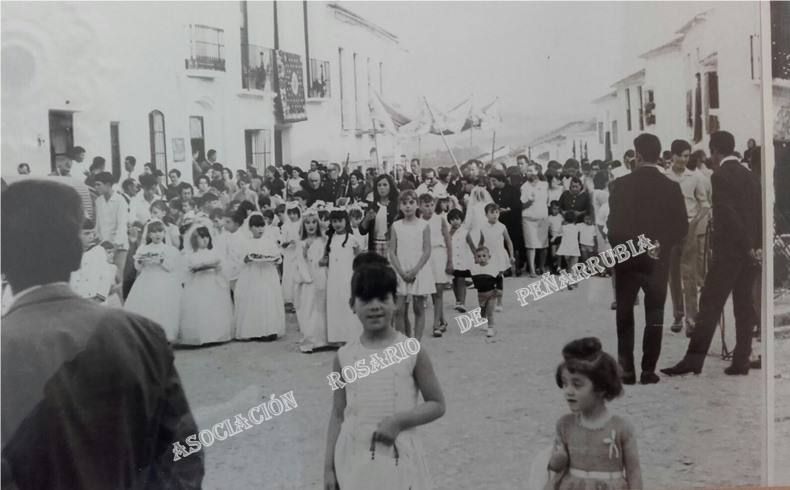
(230, 254)
(230, 245)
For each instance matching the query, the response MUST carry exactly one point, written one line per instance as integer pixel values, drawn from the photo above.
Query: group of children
(373, 431)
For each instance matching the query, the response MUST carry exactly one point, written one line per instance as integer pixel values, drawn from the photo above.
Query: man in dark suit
(90, 396)
(644, 202)
(736, 254)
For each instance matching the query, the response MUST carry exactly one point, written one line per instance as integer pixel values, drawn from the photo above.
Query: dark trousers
(628, 281)
(675, 284)
(734, 276)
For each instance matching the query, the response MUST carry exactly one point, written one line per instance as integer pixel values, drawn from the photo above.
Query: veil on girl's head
(246, 224)
(200, 223)
(144, 239)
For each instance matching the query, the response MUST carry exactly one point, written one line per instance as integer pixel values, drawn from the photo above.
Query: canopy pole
(441, 133)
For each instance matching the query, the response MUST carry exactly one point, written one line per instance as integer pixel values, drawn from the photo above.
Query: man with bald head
(90, 396)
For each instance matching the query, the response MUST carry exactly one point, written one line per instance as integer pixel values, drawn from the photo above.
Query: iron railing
(206, 48)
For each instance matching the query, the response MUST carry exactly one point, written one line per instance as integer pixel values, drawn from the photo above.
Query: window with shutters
(156, 123)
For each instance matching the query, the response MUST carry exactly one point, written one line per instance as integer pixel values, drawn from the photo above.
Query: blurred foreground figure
(90, 396)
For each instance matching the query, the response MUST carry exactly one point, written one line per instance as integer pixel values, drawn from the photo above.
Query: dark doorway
(278, 147)
(197, 138)
(61, 135)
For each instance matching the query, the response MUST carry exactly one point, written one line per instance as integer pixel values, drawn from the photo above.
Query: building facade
(162, 81)
(705, 79)
(573, 140)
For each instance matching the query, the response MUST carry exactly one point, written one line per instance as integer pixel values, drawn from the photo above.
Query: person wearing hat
(91, 397)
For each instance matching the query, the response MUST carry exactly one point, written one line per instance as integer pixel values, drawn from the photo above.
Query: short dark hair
(175, 171)
(104, 178)
(130, 159)
(126, 184)
(722, 142)
(426, 198)
(649, 146)
(569, 216)
(32, 209)
(455, 214)
(492, 206)
(372, 279)
(600, 179)
(76, 151)
(185, 185)
(211, 152)
(218, 167)
(586, 357)
(147, 181)
(23, 164)
(98, 162)
(522, 157)
(679, 146)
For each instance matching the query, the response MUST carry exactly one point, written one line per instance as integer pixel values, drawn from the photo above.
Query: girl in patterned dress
(373, 438)
(593, 449)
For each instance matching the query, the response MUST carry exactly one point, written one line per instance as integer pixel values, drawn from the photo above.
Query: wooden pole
(493, 146)
(441, 133)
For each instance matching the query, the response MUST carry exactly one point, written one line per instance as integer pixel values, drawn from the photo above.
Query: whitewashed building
(705, 79)
(159, 80)
(572, 140)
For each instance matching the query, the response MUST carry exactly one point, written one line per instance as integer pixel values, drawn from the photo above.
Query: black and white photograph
(395, 245)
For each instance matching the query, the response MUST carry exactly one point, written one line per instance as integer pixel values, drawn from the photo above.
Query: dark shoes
(735, 370)
(629, 378)
(614, 305)
(677, 326)
(689, 328)
(683, 367)
(649, 378)
(757, 363)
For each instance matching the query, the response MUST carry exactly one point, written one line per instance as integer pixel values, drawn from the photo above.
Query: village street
(502, 403)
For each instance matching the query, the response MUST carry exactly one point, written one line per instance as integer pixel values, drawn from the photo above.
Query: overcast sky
(544, 60)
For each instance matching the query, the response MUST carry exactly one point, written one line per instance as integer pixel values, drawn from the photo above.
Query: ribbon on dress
(614, 451)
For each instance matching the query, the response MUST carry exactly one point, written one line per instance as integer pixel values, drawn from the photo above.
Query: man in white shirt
(111, 219)
(431, 185)
(79, 170)
(140, 205)
(683, 274)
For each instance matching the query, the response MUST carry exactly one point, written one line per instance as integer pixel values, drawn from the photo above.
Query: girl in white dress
(409, 253)
(260, 310)
(569, 245)
(310, 284)
(373, 439)
(156, 292)
(341, 248)
(206, 308)
(495, 237)
(290, 232)
(441, 263)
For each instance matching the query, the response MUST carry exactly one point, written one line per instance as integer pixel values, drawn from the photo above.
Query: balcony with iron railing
(206, 48)
(257, 68)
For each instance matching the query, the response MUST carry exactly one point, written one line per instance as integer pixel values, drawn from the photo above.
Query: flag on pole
(490, 117)
(385, 117)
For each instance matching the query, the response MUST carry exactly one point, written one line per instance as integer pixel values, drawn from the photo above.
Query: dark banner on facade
(290, 87)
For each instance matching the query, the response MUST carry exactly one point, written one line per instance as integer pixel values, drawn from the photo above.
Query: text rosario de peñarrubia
(584, 270)
(225, 429)
(362, 369)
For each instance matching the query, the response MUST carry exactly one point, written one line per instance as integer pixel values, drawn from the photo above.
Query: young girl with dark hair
(156, 292)
(373, 438)
(206, 309)
(260, 311)
(341, 248)
(593, 448)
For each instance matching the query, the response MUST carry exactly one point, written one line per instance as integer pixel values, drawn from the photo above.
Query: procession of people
(356, 257)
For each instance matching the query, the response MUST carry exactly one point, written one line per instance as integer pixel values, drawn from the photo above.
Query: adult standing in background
(128, 166)
(644, 202)
(534, 217)
(737, 252)
(79, 169)
(683, 275)
(577, 200)
(508, 198)
(380, 215)
(112, 214)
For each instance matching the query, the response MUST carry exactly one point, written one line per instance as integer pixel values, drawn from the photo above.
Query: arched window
(156, 124)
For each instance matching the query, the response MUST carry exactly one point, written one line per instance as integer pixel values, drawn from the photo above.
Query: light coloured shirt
(111, 220)
(694, 190)
(95, 276)
(437, 189)
(140, 209)
(538, 193)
